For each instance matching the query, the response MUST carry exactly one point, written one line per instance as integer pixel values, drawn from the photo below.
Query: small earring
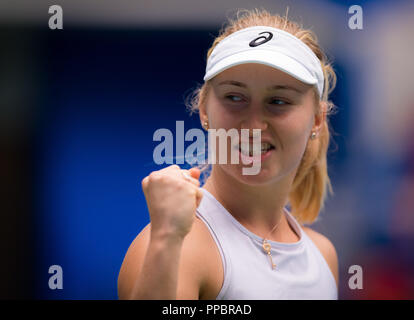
(313, 135)
(206, 125)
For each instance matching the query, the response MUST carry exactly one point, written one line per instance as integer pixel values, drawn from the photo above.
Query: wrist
(166, 238)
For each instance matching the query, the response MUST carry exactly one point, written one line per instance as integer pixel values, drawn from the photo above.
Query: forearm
(159, 274)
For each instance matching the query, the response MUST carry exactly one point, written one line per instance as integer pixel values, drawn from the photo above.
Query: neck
(259, 208)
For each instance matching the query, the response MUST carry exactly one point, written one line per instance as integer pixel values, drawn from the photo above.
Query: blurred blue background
(79, 107)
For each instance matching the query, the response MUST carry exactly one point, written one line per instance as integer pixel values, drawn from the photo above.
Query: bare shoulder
(201, 247)
(199, 268)
(132, 262)
(326, 248)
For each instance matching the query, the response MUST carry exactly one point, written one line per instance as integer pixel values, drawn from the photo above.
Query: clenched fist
(172, 200)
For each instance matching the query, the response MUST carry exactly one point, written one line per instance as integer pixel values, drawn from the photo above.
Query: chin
(265, 176)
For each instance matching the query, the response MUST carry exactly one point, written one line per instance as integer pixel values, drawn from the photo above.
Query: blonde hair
(311, 183)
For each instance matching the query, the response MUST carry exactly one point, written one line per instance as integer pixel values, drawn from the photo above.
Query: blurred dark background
(79, 106)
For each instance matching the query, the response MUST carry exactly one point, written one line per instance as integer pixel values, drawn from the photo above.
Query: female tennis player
(234, 238)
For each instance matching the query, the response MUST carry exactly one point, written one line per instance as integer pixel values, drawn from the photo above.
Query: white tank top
(301, 271)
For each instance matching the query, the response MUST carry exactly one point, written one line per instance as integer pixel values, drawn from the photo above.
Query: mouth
(249, 149)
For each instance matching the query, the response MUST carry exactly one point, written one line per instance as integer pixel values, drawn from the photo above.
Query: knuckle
(181, 185)
(144, 182)
(154, 176)
(192, 192)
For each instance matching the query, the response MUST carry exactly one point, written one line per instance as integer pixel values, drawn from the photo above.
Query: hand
(172, 200)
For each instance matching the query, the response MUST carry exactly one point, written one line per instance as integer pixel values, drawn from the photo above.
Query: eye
(280, 102)
(234, 98)
(278, 106)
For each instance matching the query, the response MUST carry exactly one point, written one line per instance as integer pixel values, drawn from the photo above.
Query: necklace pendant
(266, 247)
(271, 260)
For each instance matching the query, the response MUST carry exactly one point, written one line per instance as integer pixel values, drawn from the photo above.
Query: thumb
(195, 173)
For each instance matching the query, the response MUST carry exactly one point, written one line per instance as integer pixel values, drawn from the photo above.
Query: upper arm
(191, 268)
(132, 263)
(327, 249)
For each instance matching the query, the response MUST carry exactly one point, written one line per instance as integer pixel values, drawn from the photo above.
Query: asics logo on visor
(256, 42)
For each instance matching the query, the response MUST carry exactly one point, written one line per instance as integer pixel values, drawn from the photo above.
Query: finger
(144, 183)
(199, 196)
(171, 168)
(195, 173)
(190, 178)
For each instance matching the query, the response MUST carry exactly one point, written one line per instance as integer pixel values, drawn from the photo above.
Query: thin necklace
(267, 247)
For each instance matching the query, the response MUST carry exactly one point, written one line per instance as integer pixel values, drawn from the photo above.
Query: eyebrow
(276, 87)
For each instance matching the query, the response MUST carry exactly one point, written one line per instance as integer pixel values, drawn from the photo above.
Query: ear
(320, 117)
(202, 113)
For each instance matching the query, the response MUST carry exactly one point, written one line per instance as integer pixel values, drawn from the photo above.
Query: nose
(254, 119)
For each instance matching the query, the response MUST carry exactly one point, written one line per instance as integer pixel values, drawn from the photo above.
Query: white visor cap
(269, 46)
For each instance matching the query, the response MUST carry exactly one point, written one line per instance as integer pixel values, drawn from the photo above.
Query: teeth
(265, 146)
(249, 149)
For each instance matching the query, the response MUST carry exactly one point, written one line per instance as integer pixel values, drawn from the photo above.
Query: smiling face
(256, 96)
